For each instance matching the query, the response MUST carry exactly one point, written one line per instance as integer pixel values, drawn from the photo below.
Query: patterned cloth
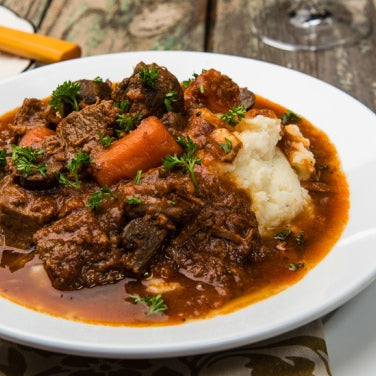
(301, 352)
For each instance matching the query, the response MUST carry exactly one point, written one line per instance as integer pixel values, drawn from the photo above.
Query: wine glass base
(302, 28)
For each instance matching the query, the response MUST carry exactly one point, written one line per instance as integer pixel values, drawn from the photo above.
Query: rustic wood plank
(33, 11)
(350, 68)
(114, 25)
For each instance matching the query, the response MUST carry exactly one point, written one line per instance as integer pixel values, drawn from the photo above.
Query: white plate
(10, 64)
(349, 267)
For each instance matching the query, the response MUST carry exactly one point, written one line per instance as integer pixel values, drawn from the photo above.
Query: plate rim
(189, 347)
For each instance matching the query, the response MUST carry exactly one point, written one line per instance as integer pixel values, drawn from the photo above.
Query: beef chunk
(212, 90)
(146, 100)
(247, 98)
(144, 236)
(34, 112)
(92, 92)
(175, 123)
(214, 247)
(22, 212)
(76, 252)
(54, 157)
(80, 128)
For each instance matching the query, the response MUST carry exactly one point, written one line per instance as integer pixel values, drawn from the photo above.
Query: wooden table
(223, 26)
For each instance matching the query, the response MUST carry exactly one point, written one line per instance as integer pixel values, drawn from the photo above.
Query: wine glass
(312, 24)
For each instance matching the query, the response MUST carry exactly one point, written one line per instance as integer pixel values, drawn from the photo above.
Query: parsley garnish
(73, 166)
(186, 83)
(66, 93)
(155, 303)
(124, 105)
(283, 235)
(202, 89)
(169, 99)
(234, 115)
(133, 200)
(295, 267)
(24, 157)
(105, 140)
(289, 117)
(98, 80)
(3, 157)
(227, 147)
(97, 197)
(127, 123)
(148, 76)
(137, 179)
(300, 238)
(188, 160)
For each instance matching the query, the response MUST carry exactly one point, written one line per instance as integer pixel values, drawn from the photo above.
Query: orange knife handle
(36, 46)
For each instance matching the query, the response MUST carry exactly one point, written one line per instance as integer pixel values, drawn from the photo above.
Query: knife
(36, 46)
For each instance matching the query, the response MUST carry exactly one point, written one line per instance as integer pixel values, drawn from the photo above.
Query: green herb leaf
(289, 117)
(155, 303)
(234, 115)
(66, 93)
(323, 167)
(283, 235)
(295, 267)
(98, 80)
(124, 105)
(133, 200)
(227, 147)
(188, 160)
(300, 238)
(148, 76)
(24, 157)
(97, 197)
(3, 157)
(169, 99)
(105, 140)
(137, 179)
(75, 164)
(127, 123)
(64, 180)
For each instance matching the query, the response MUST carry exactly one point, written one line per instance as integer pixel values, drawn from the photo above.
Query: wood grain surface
(223, 26)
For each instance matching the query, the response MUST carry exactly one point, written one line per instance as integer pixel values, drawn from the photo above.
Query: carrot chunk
(35, 135)
(141, 149)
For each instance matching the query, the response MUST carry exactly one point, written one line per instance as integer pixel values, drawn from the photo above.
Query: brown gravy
(31, 287)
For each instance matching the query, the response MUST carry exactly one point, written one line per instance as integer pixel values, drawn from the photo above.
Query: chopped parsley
(186, 83)
(283, 235)
(295, 267)
(169, 99)
(124, 105)
(105, 140)
(155, 303)
(98, 80)
(227, 147)
(137, 179)
(289, 117)
(3, 157)
(97, 197)
(323, 167)
(66, 93)
(133, 200)
(202, 89)
(24, 158)
(234, 115)
(127, 123)
(74, 165)
(188, 160)
(300, 239)
(149, 76)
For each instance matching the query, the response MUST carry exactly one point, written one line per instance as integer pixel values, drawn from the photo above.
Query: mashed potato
(261, 168)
